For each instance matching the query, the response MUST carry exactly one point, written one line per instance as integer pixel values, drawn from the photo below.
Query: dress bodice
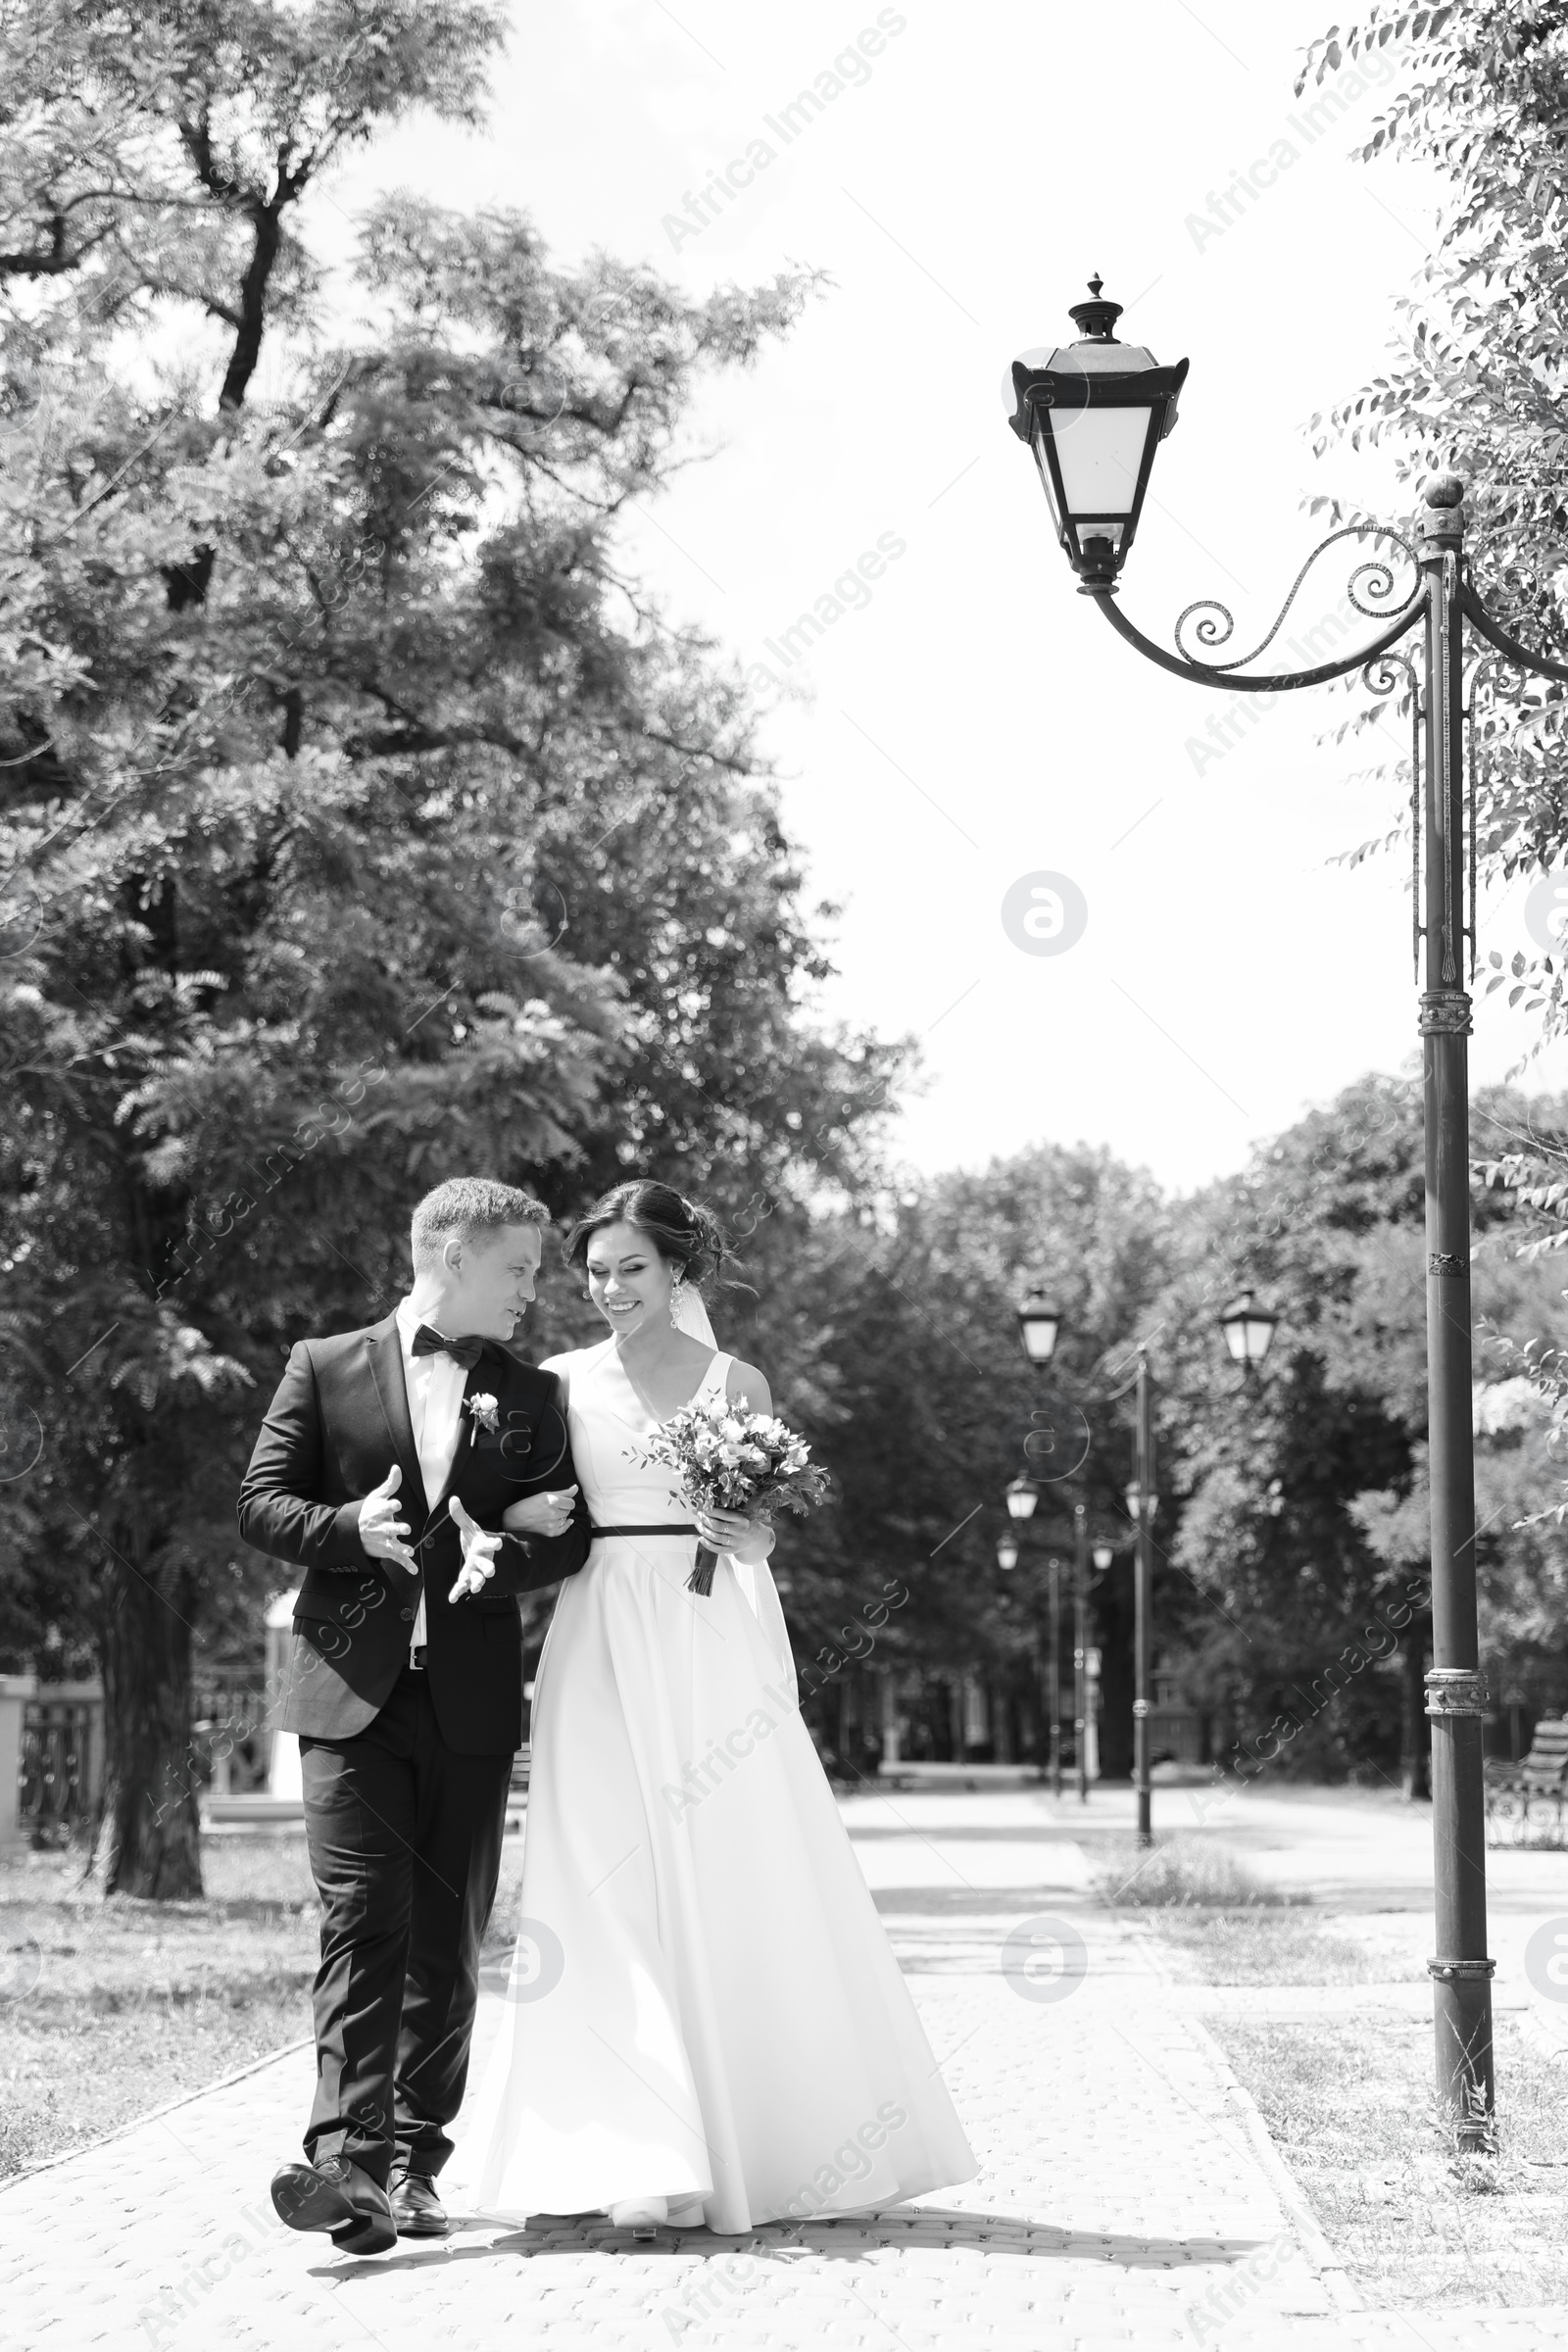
(621, 1491)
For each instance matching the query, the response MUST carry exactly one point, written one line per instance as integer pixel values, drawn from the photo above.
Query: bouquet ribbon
(701, 1579)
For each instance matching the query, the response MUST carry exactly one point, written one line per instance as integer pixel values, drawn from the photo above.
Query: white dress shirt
(435, 1385)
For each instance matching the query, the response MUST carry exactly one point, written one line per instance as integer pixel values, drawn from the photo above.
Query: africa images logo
(1045, 913)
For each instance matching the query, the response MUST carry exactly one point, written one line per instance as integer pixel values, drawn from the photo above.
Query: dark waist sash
(701, 1579)
(665, 1527)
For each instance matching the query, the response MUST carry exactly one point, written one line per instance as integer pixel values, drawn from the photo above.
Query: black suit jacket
(338, 1421)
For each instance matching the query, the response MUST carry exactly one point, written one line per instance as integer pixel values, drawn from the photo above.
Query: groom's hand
(479, 1549)
(381, 1531)
(541, 1514)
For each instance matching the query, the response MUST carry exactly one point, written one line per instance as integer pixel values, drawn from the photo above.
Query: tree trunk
(1002, 1741)
(149, 1835)
(1414, 1731)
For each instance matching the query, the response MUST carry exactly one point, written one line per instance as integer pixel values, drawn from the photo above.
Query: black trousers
(404, 1846)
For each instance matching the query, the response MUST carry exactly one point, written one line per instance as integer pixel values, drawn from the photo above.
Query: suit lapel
(384, 1347)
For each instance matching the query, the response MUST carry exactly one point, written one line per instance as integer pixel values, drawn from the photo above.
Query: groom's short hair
(467, 1206)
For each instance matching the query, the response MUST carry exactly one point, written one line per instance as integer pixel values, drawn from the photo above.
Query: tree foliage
(1307, 1503)
(1481, 372)
(362, 822)
(1478, 387)
(1294, 1501)
(920, 1398)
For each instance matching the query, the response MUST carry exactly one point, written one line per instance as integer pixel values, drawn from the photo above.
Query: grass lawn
(1294, 1947)
(1175, 1874)
(111, 2009)
(1347, 2101)
(1349, 2106)
(117, 2007)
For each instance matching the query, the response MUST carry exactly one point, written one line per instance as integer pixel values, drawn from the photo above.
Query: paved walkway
(1128, 2193)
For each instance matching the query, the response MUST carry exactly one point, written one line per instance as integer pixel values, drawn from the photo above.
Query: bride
(706, 2024)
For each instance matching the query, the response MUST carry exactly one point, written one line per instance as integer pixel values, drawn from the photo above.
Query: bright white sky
(977, 720)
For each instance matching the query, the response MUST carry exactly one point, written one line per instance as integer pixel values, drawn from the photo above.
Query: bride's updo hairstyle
(684, 1233)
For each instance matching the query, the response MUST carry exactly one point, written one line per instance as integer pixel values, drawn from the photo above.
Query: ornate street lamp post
(1039, 1322)
(1022, 1497)
(1141, 1504)
(1053, 1567)
(1080, 1655)
(1094, 412)
(1103, 1556)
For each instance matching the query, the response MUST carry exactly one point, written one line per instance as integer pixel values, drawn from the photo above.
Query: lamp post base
(1462, 1973)
(1462, 2017)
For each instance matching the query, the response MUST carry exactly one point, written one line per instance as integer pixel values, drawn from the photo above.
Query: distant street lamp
(1022, 1495)
(1055, 1566)
(1040, 1323)
(1037, 1324)
(1143, 1504)
(1081, 1654)
(1092, 414)
(1248, 1328)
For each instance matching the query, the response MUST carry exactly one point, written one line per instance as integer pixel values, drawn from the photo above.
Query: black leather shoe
(339, 2196)
(416, 2208)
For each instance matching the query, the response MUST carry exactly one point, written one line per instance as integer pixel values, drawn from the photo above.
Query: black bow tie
(467, 1352)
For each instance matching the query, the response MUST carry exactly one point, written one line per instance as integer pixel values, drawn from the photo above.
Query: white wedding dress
(704, 2005)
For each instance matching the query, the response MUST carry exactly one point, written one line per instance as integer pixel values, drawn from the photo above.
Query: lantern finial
(1095, 320)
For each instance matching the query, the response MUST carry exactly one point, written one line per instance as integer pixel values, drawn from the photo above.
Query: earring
(675, 1299)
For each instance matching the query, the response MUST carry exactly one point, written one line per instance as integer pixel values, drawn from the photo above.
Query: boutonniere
(480, 1407)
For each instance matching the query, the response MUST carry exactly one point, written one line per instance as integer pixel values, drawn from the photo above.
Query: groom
(421, 1475)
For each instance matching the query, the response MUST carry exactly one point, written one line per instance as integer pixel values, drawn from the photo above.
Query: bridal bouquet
(729, 1459)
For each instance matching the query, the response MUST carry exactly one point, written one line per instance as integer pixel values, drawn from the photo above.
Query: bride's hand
(748, 1540)
(541, 1514)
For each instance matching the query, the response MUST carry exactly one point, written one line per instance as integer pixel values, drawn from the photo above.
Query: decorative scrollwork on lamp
(1378, 574)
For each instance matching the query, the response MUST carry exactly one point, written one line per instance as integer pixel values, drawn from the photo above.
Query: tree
(365, 823)
(1477, 387)
(1477, 382)
(1294, 1504)
(1305, 1506)
(903, 1361)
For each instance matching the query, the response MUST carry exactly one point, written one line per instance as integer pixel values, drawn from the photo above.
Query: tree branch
(59, 259)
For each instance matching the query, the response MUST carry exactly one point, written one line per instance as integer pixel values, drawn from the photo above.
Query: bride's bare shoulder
(744, 1385)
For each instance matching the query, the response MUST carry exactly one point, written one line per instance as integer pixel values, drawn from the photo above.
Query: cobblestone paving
(1127, 2195)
